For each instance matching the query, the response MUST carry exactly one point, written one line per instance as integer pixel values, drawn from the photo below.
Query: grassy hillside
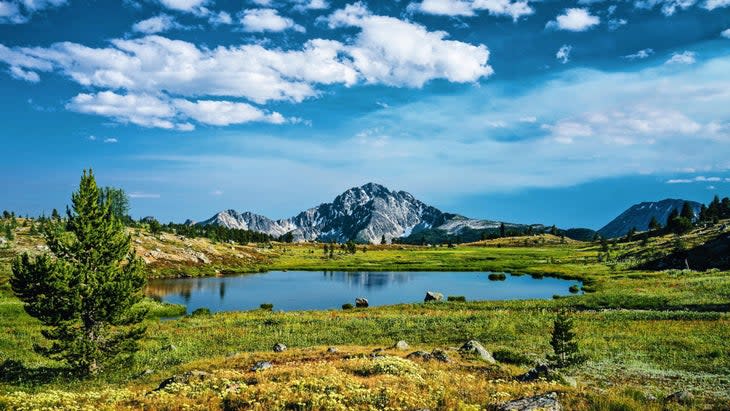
(646, 334)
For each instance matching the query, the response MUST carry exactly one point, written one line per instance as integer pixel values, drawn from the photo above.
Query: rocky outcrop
(547, 402)
(474, 348)
(433, 296)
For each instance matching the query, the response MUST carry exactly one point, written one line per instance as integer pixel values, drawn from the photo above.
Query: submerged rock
(473, 347)
(546, 402)
(433, 296)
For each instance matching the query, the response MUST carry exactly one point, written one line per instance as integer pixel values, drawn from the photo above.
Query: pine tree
(565, 348)
(502, 230)
(654, 224)
(630, 235)
(84, 291)
(55, 215)
(383, 240)
(687, 211)
(9, 235)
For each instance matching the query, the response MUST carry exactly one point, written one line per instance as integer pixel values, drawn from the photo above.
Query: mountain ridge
(639, 215)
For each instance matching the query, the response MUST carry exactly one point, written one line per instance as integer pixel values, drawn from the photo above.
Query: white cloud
(563, 53)
(157, 24)
(574, 19)
(21, 74)
(726, 33)
(686, 57)
(144, 110)
(715, 4)
(20, 11)
(184, 5)
(137, 194)
(698, 179)
(260, 20)
(468, 8)
(615, 24)
(399, 53)
(668, 7)
(640, 55)
(223, 113)
(111, 140)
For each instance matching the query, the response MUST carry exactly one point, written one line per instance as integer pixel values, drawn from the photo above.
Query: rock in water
(401, 345)
(547, 402)
(279, 347)
(261, 365)
(361, 302)
(433, 296)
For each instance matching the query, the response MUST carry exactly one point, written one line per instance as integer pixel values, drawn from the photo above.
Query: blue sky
(562, 112)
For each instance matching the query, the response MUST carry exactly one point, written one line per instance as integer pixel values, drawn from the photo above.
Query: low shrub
(267, 307)
(459, 298)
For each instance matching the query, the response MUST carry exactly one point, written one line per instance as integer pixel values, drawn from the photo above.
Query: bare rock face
(474, 348)
(547, 402)
(433, 296)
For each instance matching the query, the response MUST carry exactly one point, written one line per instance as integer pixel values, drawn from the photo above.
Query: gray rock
(683, 397)
(401, 345)
(546, 402)
(474, 348)
(419, 355)
(540, 371)
(332, 350)
(184, 378)
(279, 347)
(361, 302)
(433, 296)
(440, 355)
(261, 365)
(377, 353)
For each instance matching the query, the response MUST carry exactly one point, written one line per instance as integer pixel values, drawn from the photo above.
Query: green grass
(641, 330)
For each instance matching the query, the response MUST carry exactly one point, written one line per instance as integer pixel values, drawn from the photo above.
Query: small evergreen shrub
(267, 307)
(459, 298)
(347, 306)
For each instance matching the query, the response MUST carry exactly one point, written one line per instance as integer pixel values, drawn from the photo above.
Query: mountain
(639, 216)
(363, 214)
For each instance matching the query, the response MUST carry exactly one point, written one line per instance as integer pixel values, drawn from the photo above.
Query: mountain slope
(639, 216)
(364, 214)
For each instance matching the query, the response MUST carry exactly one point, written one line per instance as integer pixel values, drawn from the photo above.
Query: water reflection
(305, 290)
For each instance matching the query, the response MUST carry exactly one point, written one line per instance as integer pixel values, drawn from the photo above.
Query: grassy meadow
(646, 334)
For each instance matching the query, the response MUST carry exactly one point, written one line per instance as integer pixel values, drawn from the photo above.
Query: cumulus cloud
(21, 11)
(574, 19)
(615, 24)
(686, 57)
(157, 24)
(563, 54)
(399, 53)
(184, 5)
(640, 55)
(20, 74)
(668, 7)
(260, 20)
(726, 33)
(223, 113)
(468, 8)
(715, 4)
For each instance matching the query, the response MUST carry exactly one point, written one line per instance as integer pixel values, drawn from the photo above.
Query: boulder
(545, 402)
(540, 371)
(474, 348)
(332, 350)
(440, 355)
(683, 397)
(419, 355)
(401, 345)
(433, 296)
(261, 365)
(377, 353)
(279, 347)
(184, 378)
(361, 302)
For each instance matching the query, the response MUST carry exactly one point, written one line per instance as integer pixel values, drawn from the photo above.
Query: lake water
(317, 290)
